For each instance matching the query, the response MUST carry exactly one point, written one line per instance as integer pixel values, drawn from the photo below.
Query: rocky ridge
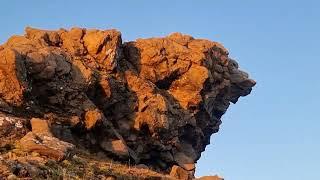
(151, 102)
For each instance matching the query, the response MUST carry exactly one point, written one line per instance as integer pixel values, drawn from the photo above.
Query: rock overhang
(158, 100)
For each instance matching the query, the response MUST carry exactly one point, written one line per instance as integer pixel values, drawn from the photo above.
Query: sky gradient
(271, 134)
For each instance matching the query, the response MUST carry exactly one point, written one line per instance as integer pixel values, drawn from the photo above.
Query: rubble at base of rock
(154, 101)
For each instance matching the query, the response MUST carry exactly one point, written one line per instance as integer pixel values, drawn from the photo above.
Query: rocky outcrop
(152, 101)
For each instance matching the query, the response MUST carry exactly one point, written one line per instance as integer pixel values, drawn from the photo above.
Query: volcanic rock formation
(151, 101)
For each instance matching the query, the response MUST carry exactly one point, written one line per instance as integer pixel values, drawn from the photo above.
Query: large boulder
(156, 101)
(41, 140)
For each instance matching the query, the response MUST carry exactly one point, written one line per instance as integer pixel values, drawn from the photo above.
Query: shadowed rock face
(156, 101)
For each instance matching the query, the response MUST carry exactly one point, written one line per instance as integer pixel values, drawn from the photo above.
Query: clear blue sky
(273, 134)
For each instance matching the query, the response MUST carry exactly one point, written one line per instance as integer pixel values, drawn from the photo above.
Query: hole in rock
(167, 81)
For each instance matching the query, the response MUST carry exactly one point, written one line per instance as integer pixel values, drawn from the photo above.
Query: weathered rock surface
(155, 101)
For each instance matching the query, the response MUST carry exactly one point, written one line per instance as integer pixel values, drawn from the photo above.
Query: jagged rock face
(155, 100)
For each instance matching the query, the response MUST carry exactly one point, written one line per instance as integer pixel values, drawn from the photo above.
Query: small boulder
(142, 166)
(40, 126)
(91, 118)
(45, 145)
(41, 141)
(184, 161)
(210, 178)
(179, 173)
(116, 147)
(12, 177)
